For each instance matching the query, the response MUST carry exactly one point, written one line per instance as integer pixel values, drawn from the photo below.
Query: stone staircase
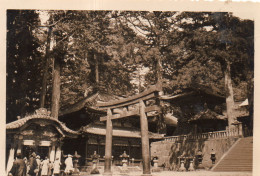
(238, 158)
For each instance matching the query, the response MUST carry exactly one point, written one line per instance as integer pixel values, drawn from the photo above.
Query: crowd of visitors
(36, 166)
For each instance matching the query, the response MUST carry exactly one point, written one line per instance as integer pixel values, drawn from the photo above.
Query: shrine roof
(191, 92)
(207, 115)
(145, 95)
(119, 132)
(36, 116)
(89, 103)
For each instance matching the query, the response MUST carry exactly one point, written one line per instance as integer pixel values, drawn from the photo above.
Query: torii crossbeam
(121, 109)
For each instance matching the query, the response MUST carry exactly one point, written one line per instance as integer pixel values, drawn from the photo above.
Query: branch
(66, 37)
(134, 25)
(51, 25)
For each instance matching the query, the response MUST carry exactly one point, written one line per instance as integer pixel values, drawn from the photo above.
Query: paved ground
(174, 173)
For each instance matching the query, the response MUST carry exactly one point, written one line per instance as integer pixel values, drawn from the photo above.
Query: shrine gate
(137, 105)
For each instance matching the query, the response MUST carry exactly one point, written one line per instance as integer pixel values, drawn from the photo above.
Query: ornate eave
(41, 117)
(89, 103)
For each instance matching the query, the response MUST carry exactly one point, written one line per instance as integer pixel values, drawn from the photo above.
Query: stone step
(240, 158)
(235, 165)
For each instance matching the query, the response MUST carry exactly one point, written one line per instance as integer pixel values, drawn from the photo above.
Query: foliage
(23, 61)
(182, 50)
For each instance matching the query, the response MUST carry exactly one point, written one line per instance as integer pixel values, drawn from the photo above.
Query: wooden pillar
(10, 159)
(98, 143)
(129, 148)
(52, 153)
(58, 153)
(240, 129)
(108, 149)
(19, 147)
(49, 152)
(145, 140)
(86, 151)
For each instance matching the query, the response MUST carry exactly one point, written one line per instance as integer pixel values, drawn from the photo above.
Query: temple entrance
(27, 150)
(43, 151)
(39, 133)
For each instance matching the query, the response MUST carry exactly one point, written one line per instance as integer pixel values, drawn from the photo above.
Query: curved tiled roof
(19, 123)
(89, 103)
(207, 115)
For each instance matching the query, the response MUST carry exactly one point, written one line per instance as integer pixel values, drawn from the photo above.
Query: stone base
(107, 174)
(146, 175)
(95, 171)
(156, 169)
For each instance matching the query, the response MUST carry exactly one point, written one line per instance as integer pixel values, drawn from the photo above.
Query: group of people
(37, 167)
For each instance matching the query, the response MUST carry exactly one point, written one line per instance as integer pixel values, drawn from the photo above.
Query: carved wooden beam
(146, 95)
(135, 112)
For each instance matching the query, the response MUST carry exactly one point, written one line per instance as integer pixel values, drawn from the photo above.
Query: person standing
(69, 165)
(32, 164)
(38, 161)
(45, 167)
(56, 167)
(19, 166)
(50, 171)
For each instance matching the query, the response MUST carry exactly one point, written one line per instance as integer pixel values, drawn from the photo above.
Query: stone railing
(209, 135)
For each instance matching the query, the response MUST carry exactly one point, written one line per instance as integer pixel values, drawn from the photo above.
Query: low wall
(168, 151)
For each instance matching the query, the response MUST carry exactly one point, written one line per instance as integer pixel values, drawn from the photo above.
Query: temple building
(125, 138)
(86, 119)
(197, 111)
(79, 128)
(38, 133)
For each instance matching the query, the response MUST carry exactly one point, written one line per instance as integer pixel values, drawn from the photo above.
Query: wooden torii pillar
(122, 111)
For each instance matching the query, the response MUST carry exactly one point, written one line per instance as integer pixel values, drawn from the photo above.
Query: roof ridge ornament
(42, 111)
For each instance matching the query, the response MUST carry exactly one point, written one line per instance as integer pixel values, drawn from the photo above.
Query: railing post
(240, 129)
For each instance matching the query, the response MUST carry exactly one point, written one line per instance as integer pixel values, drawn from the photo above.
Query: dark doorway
(43, 151)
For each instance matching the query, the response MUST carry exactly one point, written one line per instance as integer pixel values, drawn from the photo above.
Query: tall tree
(217, 37)
(23, 61)
(87, 64)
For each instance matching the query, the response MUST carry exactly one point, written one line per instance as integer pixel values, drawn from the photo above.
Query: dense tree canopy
(23, 62)
(105, 50)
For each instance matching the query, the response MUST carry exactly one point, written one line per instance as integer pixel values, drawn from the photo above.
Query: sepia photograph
(127, 92)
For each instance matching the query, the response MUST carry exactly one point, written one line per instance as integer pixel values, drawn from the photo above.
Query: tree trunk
(159, 71)
(96, 69)
(161, 125)
(229, 94)
(45, 71)
(56, 89)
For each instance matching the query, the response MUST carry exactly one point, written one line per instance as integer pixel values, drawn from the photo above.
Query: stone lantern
(95, 157)
(191, 165)
(213, 156)
(155, 164)
(182, 160)
(124, 157)
(75, 162)
(199, 156)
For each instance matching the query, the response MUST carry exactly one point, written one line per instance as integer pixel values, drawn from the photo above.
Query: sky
(244, 15)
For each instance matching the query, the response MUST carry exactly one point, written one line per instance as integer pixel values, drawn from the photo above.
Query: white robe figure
(69, 165)
(56, 166)
(45, 167)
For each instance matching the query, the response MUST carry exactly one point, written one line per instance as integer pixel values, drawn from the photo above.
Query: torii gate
(113, 113)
